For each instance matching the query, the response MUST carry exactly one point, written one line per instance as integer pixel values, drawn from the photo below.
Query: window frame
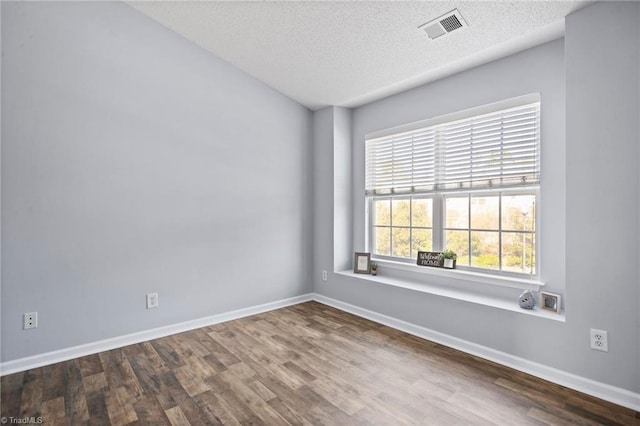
(437, 195)
(371, 236)
(504, 192)
(438, 228)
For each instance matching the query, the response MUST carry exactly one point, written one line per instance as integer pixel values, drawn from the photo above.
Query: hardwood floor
(305, 364)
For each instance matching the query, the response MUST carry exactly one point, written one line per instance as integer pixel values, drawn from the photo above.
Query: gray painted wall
(323, 191)
(342, 190)
(134, 162)
(602, 186)
(597, 137)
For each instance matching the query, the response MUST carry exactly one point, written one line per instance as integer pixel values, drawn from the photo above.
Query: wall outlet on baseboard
(152, 300)
(599, 340)
(29, 320)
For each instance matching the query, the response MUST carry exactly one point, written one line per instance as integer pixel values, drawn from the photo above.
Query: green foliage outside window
(492, 232)
(403, 227)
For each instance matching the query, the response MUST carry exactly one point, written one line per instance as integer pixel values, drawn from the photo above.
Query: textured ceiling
(352, 52)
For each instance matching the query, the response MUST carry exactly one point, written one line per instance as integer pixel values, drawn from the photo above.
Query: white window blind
(492, 150)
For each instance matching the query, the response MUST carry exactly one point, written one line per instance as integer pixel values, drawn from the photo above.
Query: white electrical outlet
(30, 320)
(324, 275)
(152, 300)
(599, 340)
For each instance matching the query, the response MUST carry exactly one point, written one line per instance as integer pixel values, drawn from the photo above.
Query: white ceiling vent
(445, 24)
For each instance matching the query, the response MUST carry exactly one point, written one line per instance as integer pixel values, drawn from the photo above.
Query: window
(402, 226)
(468, 182)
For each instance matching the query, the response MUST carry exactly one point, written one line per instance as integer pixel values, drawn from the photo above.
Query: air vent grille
(444, 24)
(450, 23)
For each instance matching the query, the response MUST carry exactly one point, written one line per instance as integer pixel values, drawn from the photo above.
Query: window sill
(468, 276)
(458, 294)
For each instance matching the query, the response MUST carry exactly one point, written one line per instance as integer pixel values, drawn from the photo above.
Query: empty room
(320, 212)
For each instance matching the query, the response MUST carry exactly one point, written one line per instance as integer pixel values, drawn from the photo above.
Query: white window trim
(438, 234)
(464, 275)
(502, 303)
(469, 274)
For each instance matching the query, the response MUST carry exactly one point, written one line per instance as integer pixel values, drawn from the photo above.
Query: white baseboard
(603, 391)
(53, 357)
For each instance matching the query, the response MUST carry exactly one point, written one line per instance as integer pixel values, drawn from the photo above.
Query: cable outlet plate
(30, 320)
(152, 300)
(599, 340)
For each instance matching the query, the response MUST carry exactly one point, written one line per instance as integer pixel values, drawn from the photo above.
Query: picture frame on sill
(550, 301)
(361, 263)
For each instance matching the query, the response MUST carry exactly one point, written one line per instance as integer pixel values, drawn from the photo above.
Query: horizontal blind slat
(500, 148)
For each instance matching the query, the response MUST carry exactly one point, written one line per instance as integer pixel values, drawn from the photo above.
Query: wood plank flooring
(307, 364)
